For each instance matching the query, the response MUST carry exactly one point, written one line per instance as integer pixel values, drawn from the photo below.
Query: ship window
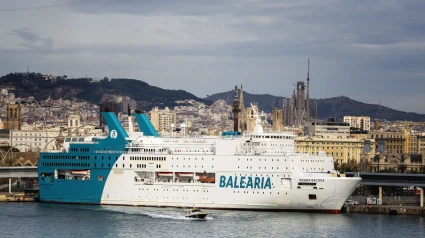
(307, 184)
(312, 196)
(100, 178)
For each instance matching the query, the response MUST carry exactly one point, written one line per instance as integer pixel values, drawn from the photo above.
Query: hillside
(146, 96)
(340, 106)
(35, 84)
(327, 107)
(265, 102)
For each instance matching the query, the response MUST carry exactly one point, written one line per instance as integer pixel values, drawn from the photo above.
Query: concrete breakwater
(4, 198)
(385, 209)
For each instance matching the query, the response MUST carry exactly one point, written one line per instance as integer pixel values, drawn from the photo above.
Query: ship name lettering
(245, 182)
(312, 180)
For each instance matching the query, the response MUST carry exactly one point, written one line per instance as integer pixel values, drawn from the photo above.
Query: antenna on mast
(308, 72)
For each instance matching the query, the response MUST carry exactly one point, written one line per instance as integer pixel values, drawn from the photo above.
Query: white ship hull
(258, 171)
(327, 195)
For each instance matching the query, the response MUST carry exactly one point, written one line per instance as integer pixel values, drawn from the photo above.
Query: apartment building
(162, 119)
(358, 122)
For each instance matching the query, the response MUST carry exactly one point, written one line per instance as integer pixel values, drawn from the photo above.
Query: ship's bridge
(271, 136)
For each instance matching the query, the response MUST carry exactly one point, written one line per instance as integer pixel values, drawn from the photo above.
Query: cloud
(363, 49)
(25, 34)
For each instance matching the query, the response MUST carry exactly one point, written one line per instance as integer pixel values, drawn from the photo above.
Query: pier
(392, 180)
(384, 209)
(17, 172)
(16, 198)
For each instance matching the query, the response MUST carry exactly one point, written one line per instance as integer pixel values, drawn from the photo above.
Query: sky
(369, 50)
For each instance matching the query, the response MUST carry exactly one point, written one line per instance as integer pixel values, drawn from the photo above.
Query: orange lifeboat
(165, 174)
(203, 179)
(186, 174)
(79, 172)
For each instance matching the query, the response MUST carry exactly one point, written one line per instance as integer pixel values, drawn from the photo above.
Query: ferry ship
(250, 171)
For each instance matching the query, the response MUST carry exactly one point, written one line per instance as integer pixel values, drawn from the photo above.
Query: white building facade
(327, 129)
(358, 122)
(36, 138)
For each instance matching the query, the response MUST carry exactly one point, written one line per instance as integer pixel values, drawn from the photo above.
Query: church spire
(285, 112)
(241, 102)
(236, 110)
(292, 108)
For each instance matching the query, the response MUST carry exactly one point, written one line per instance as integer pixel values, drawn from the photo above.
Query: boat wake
(171, 216)
(157, 214)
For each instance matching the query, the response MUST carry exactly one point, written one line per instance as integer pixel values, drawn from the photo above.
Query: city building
(50, 138)
(277, 119)
(397, 147)
(163, 119)
(13, 116)
(421, 145)
(327, 129)
(343, 150)
(389, 141)
(361, 122)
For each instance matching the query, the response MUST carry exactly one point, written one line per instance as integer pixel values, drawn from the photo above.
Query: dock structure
(385, 209)
(392, 180)
(18, 172)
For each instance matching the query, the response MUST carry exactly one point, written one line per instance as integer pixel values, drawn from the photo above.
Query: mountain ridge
(147, 96)
(327, 107)
(42, 87)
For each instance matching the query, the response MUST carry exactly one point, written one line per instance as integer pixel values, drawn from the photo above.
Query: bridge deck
(19, 172)
(390, 179)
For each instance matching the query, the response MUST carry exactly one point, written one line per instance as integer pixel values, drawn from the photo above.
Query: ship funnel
(116, 133)
(145, 125)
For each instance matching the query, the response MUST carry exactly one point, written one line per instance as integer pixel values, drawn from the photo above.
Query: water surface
(63, 220)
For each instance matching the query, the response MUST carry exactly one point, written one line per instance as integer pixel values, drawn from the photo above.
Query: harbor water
(63, 220)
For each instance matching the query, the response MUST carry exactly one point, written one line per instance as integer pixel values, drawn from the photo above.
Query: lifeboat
(165, 174)
(185, 174)
(203, 179)
(79, 172)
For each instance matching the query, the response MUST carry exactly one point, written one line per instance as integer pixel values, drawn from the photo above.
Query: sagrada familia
(295, 111)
